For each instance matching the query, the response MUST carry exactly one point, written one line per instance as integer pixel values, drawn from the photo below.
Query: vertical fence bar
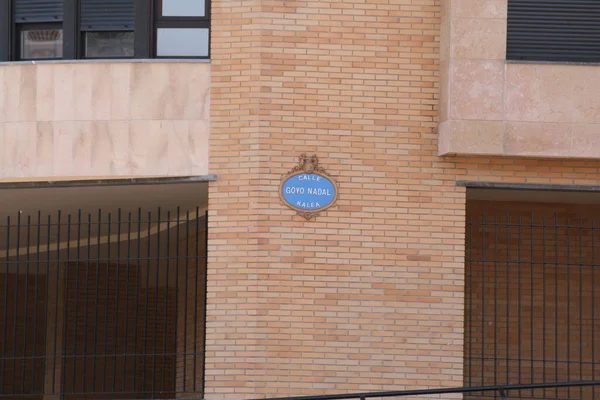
(35, 302)
(166, 325)
(147, 313)
(483, 289)
(127, 268)
(155, 321)
(56, 358)
(531, 300)
(177, 315)
(185, 304)
(568, 324)
(26, 319)
(544, 298)
(196, 277)
(581, 325)
(117, 295)
(86, 304)
(108, 261)
(77, 291)
(66, 312)
(5, 294)
(205, 300)
(137, 295)
(508, 276)
(96, 348)
(556, 313)
(47, 306)
(593, 300)
(519, 318)
(468, 296)
(495, 302)
(18, 252)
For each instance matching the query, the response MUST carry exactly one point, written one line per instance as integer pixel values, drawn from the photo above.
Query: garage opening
(104, 297)
(532, 295)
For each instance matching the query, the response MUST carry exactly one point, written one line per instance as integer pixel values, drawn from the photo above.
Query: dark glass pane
(41, 43)
(108, 44)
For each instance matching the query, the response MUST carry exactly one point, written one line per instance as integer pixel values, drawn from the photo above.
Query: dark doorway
(107, 304)
(532, 296)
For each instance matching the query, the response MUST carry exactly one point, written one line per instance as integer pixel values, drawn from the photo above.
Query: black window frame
(6, 31)
(147, 20)
(81, 37)
(161, 22)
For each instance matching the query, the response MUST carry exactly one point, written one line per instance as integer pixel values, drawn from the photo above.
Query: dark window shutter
(38, 10)
(553, 30)
(107, 15)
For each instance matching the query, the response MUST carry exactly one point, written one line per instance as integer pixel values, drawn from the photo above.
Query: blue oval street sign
(308, 189)
(308, 192)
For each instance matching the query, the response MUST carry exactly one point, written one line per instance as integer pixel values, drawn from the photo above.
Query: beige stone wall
(103, 119)
(493, 107)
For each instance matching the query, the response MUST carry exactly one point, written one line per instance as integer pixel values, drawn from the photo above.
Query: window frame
(160, 22)
(147, 20)
(6, 31)
(20, 27)
(81, 33)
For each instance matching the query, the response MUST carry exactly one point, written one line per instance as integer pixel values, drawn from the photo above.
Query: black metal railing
(531, 303)
(107, 304)
(502, 391)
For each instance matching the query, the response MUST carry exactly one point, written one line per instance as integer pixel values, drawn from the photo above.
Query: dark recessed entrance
(105, 303)
(532, 296)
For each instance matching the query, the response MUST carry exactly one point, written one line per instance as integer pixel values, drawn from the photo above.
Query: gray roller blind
(38, 10)
(107, 15)
(554, 30)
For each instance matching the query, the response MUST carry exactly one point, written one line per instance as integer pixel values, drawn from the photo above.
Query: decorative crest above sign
(307, 188)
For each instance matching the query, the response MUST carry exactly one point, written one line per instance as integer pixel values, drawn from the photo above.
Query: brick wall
(531, 294)
(368, 296)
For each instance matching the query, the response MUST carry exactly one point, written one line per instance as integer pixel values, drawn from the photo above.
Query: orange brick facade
(369, 295)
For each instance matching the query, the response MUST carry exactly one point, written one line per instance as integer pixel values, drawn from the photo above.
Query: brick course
(370, 295)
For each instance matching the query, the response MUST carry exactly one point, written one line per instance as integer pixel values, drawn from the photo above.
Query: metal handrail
(501, 389)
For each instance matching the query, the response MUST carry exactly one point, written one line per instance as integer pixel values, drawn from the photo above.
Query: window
(182, 28)
(565, 31)
(101, 29)
(39, 29)
(40, 42)
(107, 28)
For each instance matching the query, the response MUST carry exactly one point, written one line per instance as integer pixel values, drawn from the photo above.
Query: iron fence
(104, 304)
(531, 303)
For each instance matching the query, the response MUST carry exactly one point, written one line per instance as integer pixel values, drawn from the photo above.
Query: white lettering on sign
(312, 191)
(307, 204)
(294, 190)
(318, 192)
(305, 177)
